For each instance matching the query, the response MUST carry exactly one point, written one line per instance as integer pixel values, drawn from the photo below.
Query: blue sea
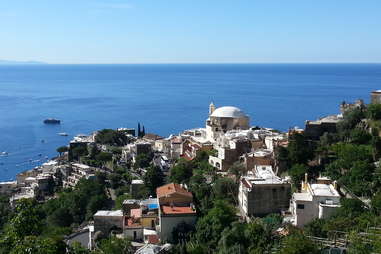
(164, 98)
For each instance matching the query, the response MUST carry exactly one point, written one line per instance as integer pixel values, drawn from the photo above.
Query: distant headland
(9, 62)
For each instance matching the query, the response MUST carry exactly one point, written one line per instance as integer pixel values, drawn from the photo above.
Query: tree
(143, 160)
(226, 188)
(104, 157)
(181, 233)
(114, 245)
(358, 245)
(35, 245)
(297, 243)
(243, 238)
(153, 178)
(316, 228)
(351, 118)
(376, 203)
(76, 248)
(182, 171)
(61, 217)
(112, 137)
(238, 170)
(5, 210)
(27, 221)
(62, 149)
(374, 111)
(299, 150)
(79, 151)
(210, 227)
(359, 136)
(143, 131)
(297, 173)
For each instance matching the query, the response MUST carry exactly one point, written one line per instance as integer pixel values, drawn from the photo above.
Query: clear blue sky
(190, 31)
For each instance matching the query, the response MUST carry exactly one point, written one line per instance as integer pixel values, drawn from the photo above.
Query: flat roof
(302, 196)
(263, 174)
(324, 190)
(83, 166)
(10, 182)
(137, 181)
(109, 213)
(177, 210)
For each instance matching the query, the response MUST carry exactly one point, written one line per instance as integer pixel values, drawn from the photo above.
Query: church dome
(228, 111)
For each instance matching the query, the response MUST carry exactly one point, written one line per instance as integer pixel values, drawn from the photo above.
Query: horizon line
(174, 63)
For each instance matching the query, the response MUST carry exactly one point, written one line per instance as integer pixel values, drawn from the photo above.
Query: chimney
(304, 183)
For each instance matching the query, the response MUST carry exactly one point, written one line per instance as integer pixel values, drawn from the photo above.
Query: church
(224, 119)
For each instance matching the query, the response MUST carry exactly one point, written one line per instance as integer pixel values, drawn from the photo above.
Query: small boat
(52, 121)
(4, 154)
(42, 140)
(63, 134)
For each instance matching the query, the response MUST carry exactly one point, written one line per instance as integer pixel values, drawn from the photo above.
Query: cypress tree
(143, 132)
(139, 133)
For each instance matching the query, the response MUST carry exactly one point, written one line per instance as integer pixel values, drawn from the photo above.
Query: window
(300, 206)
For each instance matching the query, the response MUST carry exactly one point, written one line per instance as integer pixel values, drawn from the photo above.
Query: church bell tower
(211, 108)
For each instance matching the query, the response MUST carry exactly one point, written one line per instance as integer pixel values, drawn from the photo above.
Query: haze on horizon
(197, 31)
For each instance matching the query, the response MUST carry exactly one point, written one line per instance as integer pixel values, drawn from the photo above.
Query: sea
(165, 98)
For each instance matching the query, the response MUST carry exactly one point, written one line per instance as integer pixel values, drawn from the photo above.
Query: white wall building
(317, 200)
(224, 119)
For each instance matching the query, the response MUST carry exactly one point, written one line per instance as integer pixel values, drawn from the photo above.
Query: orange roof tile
(177, 210)
(172, 188)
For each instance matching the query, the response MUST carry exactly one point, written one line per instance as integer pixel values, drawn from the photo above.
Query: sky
(190, 31)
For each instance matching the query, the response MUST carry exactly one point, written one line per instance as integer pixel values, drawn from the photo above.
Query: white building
(105, 221)
(262, 192)
(8, 187)
(319, 200)
(78, 171)
(224, 119)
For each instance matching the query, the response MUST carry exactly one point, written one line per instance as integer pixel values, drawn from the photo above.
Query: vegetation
(112, 137)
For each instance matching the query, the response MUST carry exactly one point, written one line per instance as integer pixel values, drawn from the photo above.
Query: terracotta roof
(177, 210)
(172, 188)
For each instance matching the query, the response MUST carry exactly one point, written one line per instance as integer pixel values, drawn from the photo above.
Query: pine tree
(139, 133)
(143, 132)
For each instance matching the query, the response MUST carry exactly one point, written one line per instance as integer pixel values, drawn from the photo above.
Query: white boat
(3, 154)
(63, 134)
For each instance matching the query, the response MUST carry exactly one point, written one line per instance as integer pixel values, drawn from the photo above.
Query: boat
(63, 134)
(52, 121)
(4, 154)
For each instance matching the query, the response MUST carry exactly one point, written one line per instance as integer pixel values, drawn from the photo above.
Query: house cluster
(230, 140)
(34, 183)
(39, 182)
(152, 220)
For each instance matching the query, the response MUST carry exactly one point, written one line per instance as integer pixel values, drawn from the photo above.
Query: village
(149, 218)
